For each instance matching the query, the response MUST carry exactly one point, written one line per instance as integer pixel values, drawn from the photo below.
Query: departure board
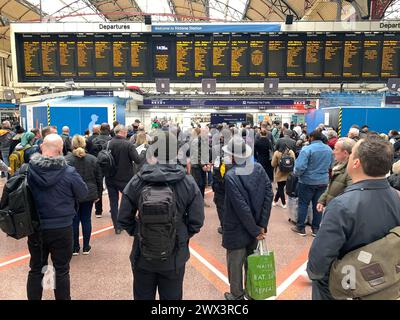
(139, 57)
(202, 56)
(257, 48)
(120, 56)
(67, 52)
(239, 55)
(276, 56)
(162, 58)
(314, 57)
(85, 53)
(372, 55)
(184, 58)
(390, 56)
(221, 58)
(295, 56)
(32, 61)
(49, 56)
(333, 61)
(352, 56)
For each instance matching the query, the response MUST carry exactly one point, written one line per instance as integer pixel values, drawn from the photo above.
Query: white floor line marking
(5, 263)
(286, 284)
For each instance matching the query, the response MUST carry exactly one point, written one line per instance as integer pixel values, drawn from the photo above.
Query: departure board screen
(333, 62)
(236, 57)
(276, 56)
(314, 56)
(85, 53)
(257, 48)
(32, 53)
(390, 56)
(120, 56)
(139, 57)
(67, 52)
(184, 57)
(372, 55)
(239, 55)
(221, 57)
(352, 56)
(202, 56)
(162, 58)
(295, 56)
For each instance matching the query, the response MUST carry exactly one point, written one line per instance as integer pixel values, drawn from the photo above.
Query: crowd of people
(162, 175)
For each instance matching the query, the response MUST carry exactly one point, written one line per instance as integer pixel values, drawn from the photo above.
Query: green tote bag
(261, 277)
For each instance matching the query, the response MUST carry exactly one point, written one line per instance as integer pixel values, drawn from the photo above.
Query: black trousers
(99, 207)
(200, 177)
(280, 193)
(168, 283)
(219, 200)
(58, 244)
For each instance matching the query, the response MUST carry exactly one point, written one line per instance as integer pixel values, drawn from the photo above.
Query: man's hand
(261, 236)
(320, 207)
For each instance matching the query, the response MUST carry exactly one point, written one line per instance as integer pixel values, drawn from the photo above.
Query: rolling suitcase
(292, 205)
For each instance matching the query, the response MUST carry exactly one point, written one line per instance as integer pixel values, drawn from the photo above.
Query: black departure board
(277, 56)
(221, 57)
(333, 62)
(295, 56)
(390, 55)
(120, 56)
(202, 56)
(67, 54)
(85, 56)
(237, 57)
(184, 57)
(352, 54)
(139, 57)
(257, 53)
(372, 54)
(314, 56)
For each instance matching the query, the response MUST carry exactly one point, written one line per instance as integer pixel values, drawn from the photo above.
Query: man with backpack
(365, 213)
(122, 153)
(171, 211)
(56, 187)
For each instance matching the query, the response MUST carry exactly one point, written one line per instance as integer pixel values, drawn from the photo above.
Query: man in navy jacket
(248, 199)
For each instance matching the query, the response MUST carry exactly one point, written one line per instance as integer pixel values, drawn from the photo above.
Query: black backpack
(157, 222)
(106, 162)
(98, 144)
(286, 163)
(292, 183)
(18, 216)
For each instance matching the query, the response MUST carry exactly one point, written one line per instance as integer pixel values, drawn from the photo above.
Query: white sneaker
(284, 206)
(98, 216)
(274, 204)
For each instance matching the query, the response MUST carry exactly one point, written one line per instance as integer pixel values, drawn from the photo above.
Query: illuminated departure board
(202, 56)
(184, 58)
(295, 56)
(239, 55)
(390, 56)
(333, 62)
(352, 56)
(314, 57)
(228, 57)
(221, 51)
(276, 56)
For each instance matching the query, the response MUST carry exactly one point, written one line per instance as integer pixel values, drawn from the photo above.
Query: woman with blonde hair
(141, 143)
(86, 165)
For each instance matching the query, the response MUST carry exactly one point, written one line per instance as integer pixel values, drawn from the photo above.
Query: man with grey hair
(354, 134)
(66, 140)
(6, 136)
(339, 179)
(124, 154)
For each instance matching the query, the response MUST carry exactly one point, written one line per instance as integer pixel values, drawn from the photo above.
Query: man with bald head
(89, 141)
(56, 188)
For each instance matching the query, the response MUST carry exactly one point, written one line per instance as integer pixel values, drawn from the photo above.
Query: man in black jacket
(89, 141)
(286, 141)
(56, 187)
(248, 199)
(124, 154)
(166, 275)
(364, 213)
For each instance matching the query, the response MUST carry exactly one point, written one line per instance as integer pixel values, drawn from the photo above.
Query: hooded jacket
(56, 189)
(190, 215)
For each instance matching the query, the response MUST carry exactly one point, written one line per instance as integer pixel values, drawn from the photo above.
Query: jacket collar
(369, 184)
(316, 141)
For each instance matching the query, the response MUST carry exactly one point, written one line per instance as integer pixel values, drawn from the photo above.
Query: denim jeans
(83, 216)
(57, 243)
(309, 193)
(114, 188)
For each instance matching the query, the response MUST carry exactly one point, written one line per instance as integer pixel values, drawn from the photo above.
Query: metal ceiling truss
(386, 8)
(224, 8)
(172, 7)
(284, 8)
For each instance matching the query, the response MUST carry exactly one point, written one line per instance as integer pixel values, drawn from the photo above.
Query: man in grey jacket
(364, 213)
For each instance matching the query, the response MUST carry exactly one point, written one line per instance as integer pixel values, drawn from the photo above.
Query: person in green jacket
(339, 180)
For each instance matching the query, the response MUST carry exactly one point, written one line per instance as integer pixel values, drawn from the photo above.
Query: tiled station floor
(106, 272)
